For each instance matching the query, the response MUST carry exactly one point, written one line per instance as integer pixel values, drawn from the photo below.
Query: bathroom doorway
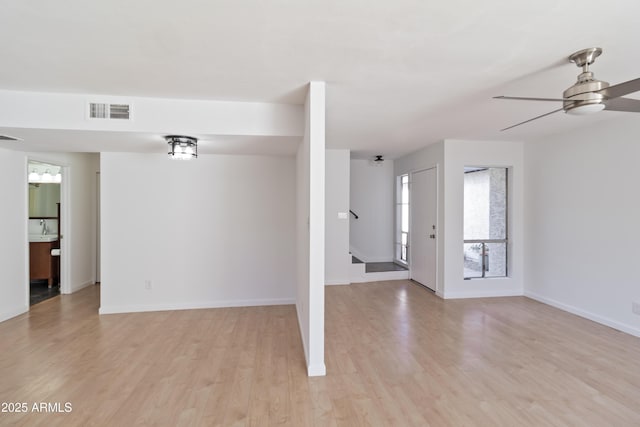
(45, 230)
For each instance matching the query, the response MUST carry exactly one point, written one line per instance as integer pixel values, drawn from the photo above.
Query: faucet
(45, 229)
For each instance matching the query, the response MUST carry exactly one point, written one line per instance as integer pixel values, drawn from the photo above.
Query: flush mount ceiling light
(182, 147)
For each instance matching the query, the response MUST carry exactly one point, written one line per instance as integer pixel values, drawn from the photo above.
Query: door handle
(432, 236)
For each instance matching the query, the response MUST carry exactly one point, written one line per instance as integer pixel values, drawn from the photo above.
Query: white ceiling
(400, 74)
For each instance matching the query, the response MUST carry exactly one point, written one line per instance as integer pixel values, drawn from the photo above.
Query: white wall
(450, 157)
(310, 220)
(14, 252)
(583, 229)
(79, 246)
(79, 242)
(40, 110)
(431, 156)
(217, 231)
(371, 198)
(459, 154)
(337, 258)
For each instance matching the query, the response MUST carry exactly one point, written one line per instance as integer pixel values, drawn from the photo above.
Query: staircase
(376, 271)
(361, 272)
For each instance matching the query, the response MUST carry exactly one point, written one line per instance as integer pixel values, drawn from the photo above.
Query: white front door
(423, 209)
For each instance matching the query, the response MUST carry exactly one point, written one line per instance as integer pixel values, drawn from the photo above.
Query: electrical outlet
(635, 307)
(147, 284)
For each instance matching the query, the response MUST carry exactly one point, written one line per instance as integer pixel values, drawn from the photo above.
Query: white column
(310, 230)
(316, 100)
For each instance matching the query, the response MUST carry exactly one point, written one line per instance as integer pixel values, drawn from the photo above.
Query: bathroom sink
(42, 237)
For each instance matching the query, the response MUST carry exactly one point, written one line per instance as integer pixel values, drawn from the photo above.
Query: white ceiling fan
(589, 95)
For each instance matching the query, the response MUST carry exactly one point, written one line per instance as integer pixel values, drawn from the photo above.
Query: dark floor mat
(39, 291)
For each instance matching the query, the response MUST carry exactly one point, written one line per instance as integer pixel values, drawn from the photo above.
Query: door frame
(64, 225)
(437, 289)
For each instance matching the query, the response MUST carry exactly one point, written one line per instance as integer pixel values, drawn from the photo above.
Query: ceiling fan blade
(621, 89)
(521, 98)
(535, 118)
(623, 104)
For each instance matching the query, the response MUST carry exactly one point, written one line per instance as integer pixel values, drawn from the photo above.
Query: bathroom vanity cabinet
(41, 264)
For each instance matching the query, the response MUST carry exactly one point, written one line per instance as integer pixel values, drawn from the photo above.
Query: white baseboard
(13, 313)
(586, 314)
(81, 286)
(336, 282)
(317, 370)
(195, 305)
(481, 294)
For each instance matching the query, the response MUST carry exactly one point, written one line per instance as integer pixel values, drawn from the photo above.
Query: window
(402, 209)
(485, 222)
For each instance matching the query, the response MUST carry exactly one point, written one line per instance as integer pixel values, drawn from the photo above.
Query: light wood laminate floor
(396, 355)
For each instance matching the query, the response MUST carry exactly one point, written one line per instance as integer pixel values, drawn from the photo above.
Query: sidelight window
(402, 209)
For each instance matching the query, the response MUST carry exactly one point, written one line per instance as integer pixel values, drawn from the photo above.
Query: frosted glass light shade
(47, 177)
(582, 110)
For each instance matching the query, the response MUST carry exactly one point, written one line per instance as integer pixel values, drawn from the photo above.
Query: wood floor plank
(396, 355)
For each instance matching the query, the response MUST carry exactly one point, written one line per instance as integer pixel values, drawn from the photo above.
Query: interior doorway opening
(45, 228)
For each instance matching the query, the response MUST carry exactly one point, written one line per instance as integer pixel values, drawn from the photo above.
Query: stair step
(379, 276)
(377, 271)
(378, 267)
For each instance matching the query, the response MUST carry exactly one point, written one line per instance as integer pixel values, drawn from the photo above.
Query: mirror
(43, 199)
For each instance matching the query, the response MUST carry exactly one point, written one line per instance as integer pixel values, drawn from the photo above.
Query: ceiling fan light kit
(585, 109)
(589, 95)
(583, 97)
(378, 160)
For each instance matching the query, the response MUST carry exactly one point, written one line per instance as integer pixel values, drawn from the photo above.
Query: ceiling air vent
(119, 111)
(109, 111)
(98, 111)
